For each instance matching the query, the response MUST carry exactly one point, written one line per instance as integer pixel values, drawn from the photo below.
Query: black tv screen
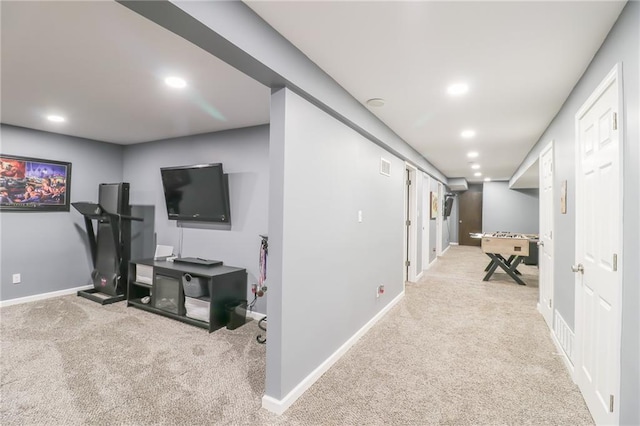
(199, 193)
(448, 205)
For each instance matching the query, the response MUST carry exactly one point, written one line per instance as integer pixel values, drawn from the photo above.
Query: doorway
(470, 220)
(598, 254)
(545, 243)
(410, 224)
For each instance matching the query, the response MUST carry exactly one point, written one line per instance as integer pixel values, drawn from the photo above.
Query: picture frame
(563, 197)
(34, 184)
(434, 205)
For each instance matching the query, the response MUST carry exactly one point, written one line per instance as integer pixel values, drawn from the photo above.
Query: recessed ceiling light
(375, 102)
(477, 174)
(175, 82)
(56, 118)
(475, 166)
(487, 179)
(458, 89)
(472, 154)
(468, 134)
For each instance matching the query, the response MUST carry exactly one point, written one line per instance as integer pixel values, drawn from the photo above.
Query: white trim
(419, 275)
(280, 406)
(453, 244)
(43, 296)
(445, 250)
(255, 315)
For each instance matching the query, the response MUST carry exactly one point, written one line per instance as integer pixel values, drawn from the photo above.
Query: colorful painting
(434, 205)
(31, 184)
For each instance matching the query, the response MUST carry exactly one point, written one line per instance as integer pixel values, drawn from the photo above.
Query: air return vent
(385, 167)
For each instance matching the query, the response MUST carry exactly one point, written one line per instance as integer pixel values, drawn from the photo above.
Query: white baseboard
(279, 406)
(255, 315)
(453, 244)
(419, 275)
(445, 250)
(563, 337)
(43, 296)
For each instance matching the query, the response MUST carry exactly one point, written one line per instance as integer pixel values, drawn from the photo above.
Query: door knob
(540, 243)
(460, 221)
(578, 268)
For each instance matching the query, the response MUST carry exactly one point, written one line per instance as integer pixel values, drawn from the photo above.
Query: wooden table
(499, 244)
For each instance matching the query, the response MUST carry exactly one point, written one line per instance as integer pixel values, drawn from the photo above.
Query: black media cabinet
(221, 286)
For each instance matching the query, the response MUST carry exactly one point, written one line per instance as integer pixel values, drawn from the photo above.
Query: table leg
(513, 256)
(492, 266)
(508, 267)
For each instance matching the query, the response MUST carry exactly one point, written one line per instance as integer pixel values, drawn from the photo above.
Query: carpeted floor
(455, 351)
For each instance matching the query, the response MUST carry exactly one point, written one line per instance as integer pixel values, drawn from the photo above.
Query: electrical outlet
(379, 290)
(17, 278)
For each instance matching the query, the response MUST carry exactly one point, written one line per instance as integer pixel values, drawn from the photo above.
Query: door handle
(540, 243)
(460, 221)
(578, 268)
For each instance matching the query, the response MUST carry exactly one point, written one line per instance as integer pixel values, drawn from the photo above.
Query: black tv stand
(198, 261)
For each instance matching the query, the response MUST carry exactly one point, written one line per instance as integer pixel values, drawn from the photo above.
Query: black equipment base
(509, 266)
(102, 298)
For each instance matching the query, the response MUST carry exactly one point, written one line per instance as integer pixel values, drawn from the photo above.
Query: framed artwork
(563, 197)
(33, 184)
(434, 205)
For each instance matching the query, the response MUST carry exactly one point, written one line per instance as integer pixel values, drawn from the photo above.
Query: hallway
(456, 350)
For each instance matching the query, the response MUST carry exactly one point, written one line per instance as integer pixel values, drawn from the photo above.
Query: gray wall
(453, 220)
(512, 210)
(447, 223)
(51, 250)
(621, 46)
(325, 265)
(244, 154)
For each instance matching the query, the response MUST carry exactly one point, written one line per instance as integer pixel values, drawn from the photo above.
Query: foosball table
(497, 245)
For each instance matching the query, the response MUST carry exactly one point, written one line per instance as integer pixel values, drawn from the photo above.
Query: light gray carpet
(456, 350)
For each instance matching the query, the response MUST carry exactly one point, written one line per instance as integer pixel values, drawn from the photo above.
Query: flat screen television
(197, 193)
(448, 205)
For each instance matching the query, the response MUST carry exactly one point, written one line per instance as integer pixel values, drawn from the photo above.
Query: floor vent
(564, 335)
(385, 167)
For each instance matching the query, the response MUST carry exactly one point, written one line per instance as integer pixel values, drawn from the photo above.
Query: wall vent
(385, 167)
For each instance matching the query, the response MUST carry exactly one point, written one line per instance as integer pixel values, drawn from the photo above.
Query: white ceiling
(520, 59)
(101, 65)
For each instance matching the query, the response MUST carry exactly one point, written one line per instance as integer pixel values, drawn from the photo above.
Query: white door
(439, 247)
(545, 250)
(426, 205)
(598, 255)
(411, 237)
